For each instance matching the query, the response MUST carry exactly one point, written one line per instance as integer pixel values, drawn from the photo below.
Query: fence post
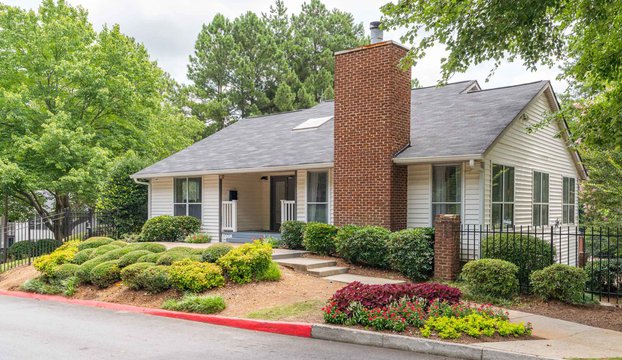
(446, 246)
(89, 224)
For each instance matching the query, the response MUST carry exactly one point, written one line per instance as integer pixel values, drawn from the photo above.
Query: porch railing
(230, 215)
(288, 210)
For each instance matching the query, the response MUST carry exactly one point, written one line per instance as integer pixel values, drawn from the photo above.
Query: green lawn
(287, 311)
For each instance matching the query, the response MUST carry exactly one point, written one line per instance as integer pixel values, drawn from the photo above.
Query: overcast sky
(169, 28)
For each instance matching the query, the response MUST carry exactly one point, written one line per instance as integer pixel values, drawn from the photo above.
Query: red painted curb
(277, 327)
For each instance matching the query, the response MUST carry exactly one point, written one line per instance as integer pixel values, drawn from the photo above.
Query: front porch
(241, 237)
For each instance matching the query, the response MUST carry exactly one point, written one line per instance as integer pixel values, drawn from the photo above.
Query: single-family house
(381, 153)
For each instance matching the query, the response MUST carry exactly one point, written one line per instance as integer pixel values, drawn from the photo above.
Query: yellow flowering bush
(65, 253)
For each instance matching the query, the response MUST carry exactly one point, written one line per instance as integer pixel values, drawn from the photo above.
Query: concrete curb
(419, 345)
(277, 327)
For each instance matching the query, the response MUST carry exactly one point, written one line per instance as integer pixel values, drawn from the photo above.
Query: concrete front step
(278, 254)
(328, 271)
(304, 264)
(349, 278)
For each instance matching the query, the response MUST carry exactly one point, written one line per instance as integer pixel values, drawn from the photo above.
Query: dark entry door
(281, 188)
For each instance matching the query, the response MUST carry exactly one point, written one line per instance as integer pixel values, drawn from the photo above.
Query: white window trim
(573, 203)
(187, 204)
(431, 191)
(548, 200)
(492, 202)
(327, 202)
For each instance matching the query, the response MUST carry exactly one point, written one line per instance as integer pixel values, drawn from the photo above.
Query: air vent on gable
(312, 123)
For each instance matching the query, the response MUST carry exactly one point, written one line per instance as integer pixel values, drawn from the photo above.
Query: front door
(281, 188)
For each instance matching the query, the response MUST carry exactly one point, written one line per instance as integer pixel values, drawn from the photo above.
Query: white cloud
(169, 29)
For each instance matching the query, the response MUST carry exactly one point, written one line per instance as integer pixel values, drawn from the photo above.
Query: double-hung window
(446, 190)
(540, 201)
(317, 196)
(502, 196)
(568, 202)
(188, 197)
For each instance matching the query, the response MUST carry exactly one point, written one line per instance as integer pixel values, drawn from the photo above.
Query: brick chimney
(372, 124)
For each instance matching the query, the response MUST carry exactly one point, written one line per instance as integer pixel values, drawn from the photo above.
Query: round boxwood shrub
(246, 262)
(491, 278)
(114, 254)
(106, 274)
(169, 257)
(94, 242)
(411, 252)
(527, 252)
(65, 271)
(119, 243)
(62, 255)
(169, 228)
(292, 234)
(21, 250)
(132, 257)
(195, 276)
(215, 252)
(152, 258)
(604, 275)
(154, 279)
(46, 246)
(363, 245)
(83, 256)
(84, 272)
(152, 247)
(320, 238)
(559, 282)
(104, 249)
(272, 273)
(130, 275)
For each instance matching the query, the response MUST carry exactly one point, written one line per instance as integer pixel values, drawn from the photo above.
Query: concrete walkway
(561, 339)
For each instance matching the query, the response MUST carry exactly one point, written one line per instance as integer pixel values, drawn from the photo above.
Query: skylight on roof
(312, 123)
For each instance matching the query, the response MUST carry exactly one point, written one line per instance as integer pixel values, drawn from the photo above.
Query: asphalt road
(32, 329)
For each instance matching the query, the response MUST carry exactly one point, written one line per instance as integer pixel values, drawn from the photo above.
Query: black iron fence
(23, 241)
(597, 250)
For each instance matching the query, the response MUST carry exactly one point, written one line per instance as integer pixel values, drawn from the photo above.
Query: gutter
(433, 159)
(235, 171)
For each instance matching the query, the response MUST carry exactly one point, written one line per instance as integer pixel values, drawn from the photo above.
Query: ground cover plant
(437, 311)
(196, 304)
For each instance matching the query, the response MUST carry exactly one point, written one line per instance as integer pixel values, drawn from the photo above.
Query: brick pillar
(372, 124)
(447, 247)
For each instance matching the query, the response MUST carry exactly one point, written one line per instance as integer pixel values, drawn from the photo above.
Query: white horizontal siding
(471, 208)
(541, 151)
(301, 195)
(419, 210)
(161, 197)
(210, 206)
(250, 199)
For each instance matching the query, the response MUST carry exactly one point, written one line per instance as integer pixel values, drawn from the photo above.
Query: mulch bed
(602, 316)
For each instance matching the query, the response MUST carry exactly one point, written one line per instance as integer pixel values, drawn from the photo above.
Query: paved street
(31, 329)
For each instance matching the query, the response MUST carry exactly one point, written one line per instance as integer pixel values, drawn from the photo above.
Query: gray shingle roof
(444, 122)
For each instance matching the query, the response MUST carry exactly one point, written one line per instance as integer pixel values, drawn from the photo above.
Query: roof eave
(233, 171)
(436, 159)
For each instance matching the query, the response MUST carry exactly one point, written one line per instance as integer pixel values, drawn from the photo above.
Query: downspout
(148, 184)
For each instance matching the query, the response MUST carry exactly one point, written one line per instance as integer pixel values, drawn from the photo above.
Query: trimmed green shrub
(272, 273)
(21, 250)
(559, 282)
(48, 286)
(169, 257)
(94, 242)
(154, 279)
(215, 252)
(104, 249)
(62, 255)
(169, 228)
(130, 275)
(604, 275)
(527, 252)
(491, 278)
(292, 234)
(181, 249)
(411, 252)
(132, 257)
(198, 238)
(106, 274)
(83, 256)
(114, 254)
(246, 262)
(320, 238)
(46, 246)
(131, 238)
(196, 304)
(119, 243)
(65, 271)
(365, 245)
(84, 272)
(195, 276)
(152, 247)
(152, 258)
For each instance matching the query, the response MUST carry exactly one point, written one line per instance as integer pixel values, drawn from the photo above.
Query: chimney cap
(374, 25)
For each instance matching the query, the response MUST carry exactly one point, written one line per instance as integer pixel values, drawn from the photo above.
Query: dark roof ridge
(436, 86)
(508, 86)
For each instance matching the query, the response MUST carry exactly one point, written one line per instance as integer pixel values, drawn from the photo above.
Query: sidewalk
(561, 339)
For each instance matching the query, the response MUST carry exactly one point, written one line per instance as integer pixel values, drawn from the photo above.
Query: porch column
(220, 208)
